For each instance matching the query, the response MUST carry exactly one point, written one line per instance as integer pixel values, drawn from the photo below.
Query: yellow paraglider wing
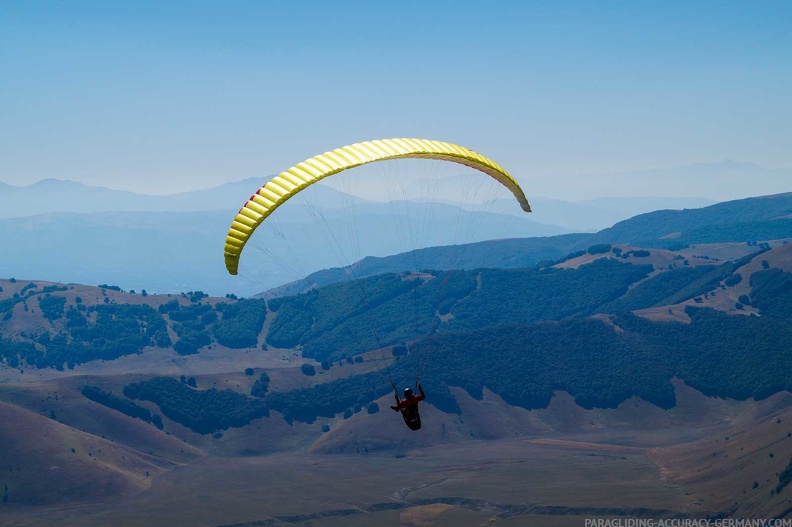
(286, 184)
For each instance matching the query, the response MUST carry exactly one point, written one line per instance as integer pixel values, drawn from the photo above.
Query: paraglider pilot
(409, 407)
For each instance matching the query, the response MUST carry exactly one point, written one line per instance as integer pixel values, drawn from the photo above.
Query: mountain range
(76, 233)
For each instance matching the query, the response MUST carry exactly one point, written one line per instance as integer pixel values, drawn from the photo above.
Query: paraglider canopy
(286, 184)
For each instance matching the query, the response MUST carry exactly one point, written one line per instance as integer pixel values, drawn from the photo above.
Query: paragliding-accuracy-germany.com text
(687, 522)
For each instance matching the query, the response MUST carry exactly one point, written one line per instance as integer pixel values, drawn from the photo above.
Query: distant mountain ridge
(182, 251)
(178, 249)
(750, 219)
(55, 195)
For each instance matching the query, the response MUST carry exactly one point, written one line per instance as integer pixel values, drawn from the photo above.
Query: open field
(609, 465)
(507, 482)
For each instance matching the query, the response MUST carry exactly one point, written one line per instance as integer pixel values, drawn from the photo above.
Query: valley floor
(506, 482)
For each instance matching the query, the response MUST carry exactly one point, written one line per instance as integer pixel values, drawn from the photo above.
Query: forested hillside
(46, 325)
(333, 323)
(601, 364)
(604, 323)
(520, 333)
(57, 326)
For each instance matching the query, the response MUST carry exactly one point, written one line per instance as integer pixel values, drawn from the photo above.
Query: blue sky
(165, 96)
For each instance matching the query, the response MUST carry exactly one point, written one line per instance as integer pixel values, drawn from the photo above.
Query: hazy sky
(162, 96)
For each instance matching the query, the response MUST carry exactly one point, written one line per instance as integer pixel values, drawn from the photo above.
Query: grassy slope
(720, 470)
(599, 469)
(40, 467)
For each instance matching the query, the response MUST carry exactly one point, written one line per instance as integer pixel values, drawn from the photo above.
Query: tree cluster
(124, 406)
(202, 411)
(241, 323)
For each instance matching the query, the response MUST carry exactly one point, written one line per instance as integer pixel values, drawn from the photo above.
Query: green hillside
(58, 326)
(599, 365)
